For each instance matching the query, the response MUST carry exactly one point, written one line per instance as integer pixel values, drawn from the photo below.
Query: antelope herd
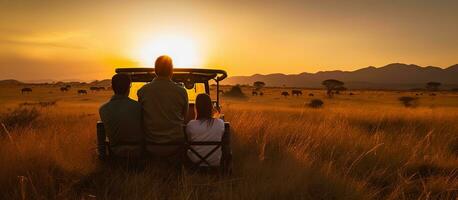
(66, 88)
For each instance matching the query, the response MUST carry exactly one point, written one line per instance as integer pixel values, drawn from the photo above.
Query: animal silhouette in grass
(64, 89)
(296, 93)
(285, 94)
(26, 90)
(332, 85)
(82, 92)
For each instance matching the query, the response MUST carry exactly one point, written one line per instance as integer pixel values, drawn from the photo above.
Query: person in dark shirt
(165, 106)
(122, 119)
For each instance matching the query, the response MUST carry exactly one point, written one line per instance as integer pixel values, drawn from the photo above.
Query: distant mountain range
(392, 76)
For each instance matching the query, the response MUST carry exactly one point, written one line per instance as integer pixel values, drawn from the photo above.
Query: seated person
(165, 106)
(205, 128)
(122, 119)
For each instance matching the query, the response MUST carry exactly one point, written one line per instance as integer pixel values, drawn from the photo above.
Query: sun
(183, 50)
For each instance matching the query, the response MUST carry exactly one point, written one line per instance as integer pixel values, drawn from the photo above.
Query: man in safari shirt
(164, 107)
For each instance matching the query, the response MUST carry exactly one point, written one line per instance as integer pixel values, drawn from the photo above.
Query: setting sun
(184, 50)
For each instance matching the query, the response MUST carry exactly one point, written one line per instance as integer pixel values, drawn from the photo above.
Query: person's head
(163, 66)
(121, 84)
(204, 107)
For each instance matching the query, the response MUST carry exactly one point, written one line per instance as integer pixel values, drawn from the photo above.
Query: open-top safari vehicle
(195, 81)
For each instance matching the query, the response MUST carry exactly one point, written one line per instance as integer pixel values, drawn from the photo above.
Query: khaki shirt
(122, 117)
(165, 104)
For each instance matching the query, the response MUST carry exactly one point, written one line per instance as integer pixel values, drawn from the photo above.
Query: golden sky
(88, 39)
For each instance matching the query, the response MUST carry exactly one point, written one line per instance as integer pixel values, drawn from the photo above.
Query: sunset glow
(89, 39)
(184, 50)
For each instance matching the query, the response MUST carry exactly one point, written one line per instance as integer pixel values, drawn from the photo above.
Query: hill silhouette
(392, 76)
(10, 82)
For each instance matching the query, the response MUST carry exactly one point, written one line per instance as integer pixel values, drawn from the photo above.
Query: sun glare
(183, 50)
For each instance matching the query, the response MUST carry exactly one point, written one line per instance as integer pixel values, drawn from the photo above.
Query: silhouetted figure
(94, 88)
(311, 95)
(82, 92)
(165, 107)
(64, 89)
(26, 90)
(296, 93)
(261, 93)
(122, 120)
(285, 94)
(254, 93)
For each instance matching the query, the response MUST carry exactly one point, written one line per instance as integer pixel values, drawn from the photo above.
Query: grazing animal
(261, 93)
(296, 92)
(311, 95)
(26, 90)
(64, 89)
(254, 93)
(351, 94)
(285, 94)
(93, 88)
(82, 92)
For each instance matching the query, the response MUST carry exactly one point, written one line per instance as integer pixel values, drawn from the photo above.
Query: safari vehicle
(195, 81)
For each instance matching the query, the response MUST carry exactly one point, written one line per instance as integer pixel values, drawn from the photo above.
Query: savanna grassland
(363, 146)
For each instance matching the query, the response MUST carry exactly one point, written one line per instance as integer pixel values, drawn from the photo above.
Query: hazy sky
(88, 39)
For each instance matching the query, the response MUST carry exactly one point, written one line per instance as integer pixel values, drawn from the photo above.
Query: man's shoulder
(105, 105)
(132, 102)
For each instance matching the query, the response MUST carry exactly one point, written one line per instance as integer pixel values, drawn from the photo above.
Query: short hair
(121, 83)
(163, 66)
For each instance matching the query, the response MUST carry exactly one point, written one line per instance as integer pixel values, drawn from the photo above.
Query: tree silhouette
(259, 85)
(433, 86)
(331, 85)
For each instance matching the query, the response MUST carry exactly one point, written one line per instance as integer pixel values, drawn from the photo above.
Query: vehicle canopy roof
(196, 75)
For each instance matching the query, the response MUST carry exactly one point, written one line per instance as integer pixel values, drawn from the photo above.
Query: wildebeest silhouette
(26, 90)
(285, 94)
(254, 93)
(64, 89)
(261, 93)
(82, 92)
(296, 92)
(94, 88)
(311, 95)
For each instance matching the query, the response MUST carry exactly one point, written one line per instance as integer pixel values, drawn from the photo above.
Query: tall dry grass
(280, 152)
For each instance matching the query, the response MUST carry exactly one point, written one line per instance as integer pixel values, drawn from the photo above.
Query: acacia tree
(433, 86)
(259, 85)
(332, 85)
